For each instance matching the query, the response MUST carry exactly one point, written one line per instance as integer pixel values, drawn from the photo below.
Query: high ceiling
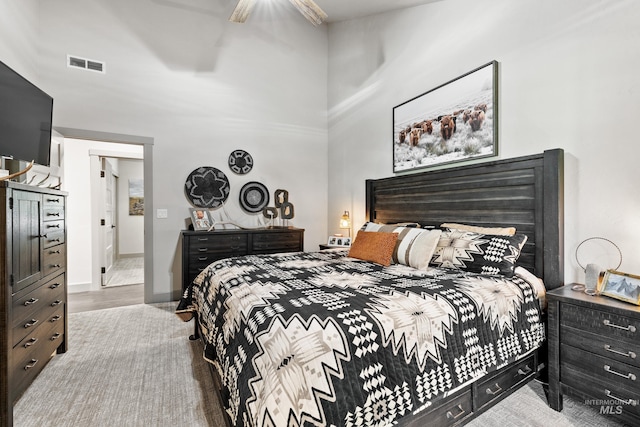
(340, 10)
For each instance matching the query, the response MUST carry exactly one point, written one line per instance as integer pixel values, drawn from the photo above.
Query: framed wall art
(453, 122)
(622, 286)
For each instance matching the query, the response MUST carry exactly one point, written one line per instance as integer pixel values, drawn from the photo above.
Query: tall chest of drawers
(201, 248)
(594, 353)
(33, 294)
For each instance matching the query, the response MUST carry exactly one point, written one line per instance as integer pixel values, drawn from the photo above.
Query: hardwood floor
(107, 297)
(125, 288)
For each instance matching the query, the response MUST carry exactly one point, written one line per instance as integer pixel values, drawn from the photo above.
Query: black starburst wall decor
(207, 187)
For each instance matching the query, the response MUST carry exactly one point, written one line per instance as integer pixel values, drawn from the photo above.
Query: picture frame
(622, 286)
(454, 122)
(339, 241)
(201, 219)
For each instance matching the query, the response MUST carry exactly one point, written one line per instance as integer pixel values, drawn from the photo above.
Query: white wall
(130, 227)
(568, 79)
(80, 213)
(19, 35)
(180, 73)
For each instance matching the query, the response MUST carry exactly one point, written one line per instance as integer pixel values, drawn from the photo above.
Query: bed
(324, 339)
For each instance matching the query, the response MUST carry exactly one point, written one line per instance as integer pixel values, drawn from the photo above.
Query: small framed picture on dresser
(339, 241)
(622, 286)
(201, 219)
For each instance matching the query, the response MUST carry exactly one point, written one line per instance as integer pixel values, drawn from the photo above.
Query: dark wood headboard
(524, 192)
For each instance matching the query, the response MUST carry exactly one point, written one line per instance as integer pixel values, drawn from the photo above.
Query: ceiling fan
(308, 8)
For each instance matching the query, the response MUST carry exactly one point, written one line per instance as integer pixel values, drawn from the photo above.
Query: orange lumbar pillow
(374, 246)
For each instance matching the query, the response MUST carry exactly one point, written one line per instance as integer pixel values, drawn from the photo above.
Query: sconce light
(345, 222)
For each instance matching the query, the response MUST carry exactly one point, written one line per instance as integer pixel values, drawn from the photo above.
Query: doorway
(87, 271)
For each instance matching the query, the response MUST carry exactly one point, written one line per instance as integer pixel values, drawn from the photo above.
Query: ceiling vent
(85, 64)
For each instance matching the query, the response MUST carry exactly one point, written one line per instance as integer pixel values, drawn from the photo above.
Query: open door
(108, 221)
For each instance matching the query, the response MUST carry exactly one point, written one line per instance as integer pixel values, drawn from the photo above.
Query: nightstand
(594, 352)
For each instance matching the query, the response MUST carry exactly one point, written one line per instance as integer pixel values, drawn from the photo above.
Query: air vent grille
(86, 64)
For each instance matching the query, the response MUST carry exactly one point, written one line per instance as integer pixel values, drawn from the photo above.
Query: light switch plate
(162, 213)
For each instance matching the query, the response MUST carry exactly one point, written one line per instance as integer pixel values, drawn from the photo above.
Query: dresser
(594, 353)
(33, 295)
(201, 248)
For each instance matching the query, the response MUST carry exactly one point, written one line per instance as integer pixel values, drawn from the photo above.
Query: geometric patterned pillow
(478, 253)
(414, 246)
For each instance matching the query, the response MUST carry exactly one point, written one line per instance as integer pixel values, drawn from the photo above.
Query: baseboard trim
(78, 287)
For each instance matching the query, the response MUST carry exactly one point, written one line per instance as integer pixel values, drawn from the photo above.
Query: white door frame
(97, 205)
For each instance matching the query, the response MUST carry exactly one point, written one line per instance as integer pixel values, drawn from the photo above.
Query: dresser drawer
(605, 346)
(601, 323)
(28, 369)
(54, 258)
(53, 238)
(53, 211)
(30, 344)
(492, 388)
(48, 314)
(223, 243)
(49, 294)
(276, 242)
(607, 371)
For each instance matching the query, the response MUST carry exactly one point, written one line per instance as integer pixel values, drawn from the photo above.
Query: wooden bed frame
(524, 192)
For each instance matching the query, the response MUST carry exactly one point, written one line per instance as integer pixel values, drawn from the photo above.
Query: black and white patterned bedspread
(319, 339)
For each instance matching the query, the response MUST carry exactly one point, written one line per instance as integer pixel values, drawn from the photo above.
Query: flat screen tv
(25, 118)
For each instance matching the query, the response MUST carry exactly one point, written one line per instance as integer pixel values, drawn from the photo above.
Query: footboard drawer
(496, 386)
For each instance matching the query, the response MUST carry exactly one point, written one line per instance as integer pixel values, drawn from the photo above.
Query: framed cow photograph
(454, 122)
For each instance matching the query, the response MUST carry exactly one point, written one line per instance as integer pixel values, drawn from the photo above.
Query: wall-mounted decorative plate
(207, 187)
(240, 162)
(254, 196)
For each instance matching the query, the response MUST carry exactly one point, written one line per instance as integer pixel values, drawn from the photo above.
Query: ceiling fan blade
(242, 10)
(310, 10)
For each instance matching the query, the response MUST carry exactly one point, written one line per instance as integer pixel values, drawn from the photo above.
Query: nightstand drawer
(605, 346)
(605, 370)
(601, 323)
(612, 394)
(494, 387)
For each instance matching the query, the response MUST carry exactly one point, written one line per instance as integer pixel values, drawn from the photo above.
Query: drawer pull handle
(31, 364)
(53, 213)
(494, 392)
(31, 342)
(56, 302)
(54, 252)
(455, 417)
(235, 248)
(628, 376)
(55, 318)
(202, 249)
(54, 285)
(527, 370)
(53, 226)
(55, 336)
(55, 266)
(31, 301)
(54, 240)
(631, 402)
(203, 239)
(53, 200)
(630, 354)
(203, 258)
(31, 323)
(629, 328)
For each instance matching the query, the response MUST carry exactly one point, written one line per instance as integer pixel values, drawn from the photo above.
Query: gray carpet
(134, 366)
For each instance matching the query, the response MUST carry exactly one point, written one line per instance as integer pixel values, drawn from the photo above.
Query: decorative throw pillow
(374, 247)
(498, 231)
(478, 253)
(414, 247)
